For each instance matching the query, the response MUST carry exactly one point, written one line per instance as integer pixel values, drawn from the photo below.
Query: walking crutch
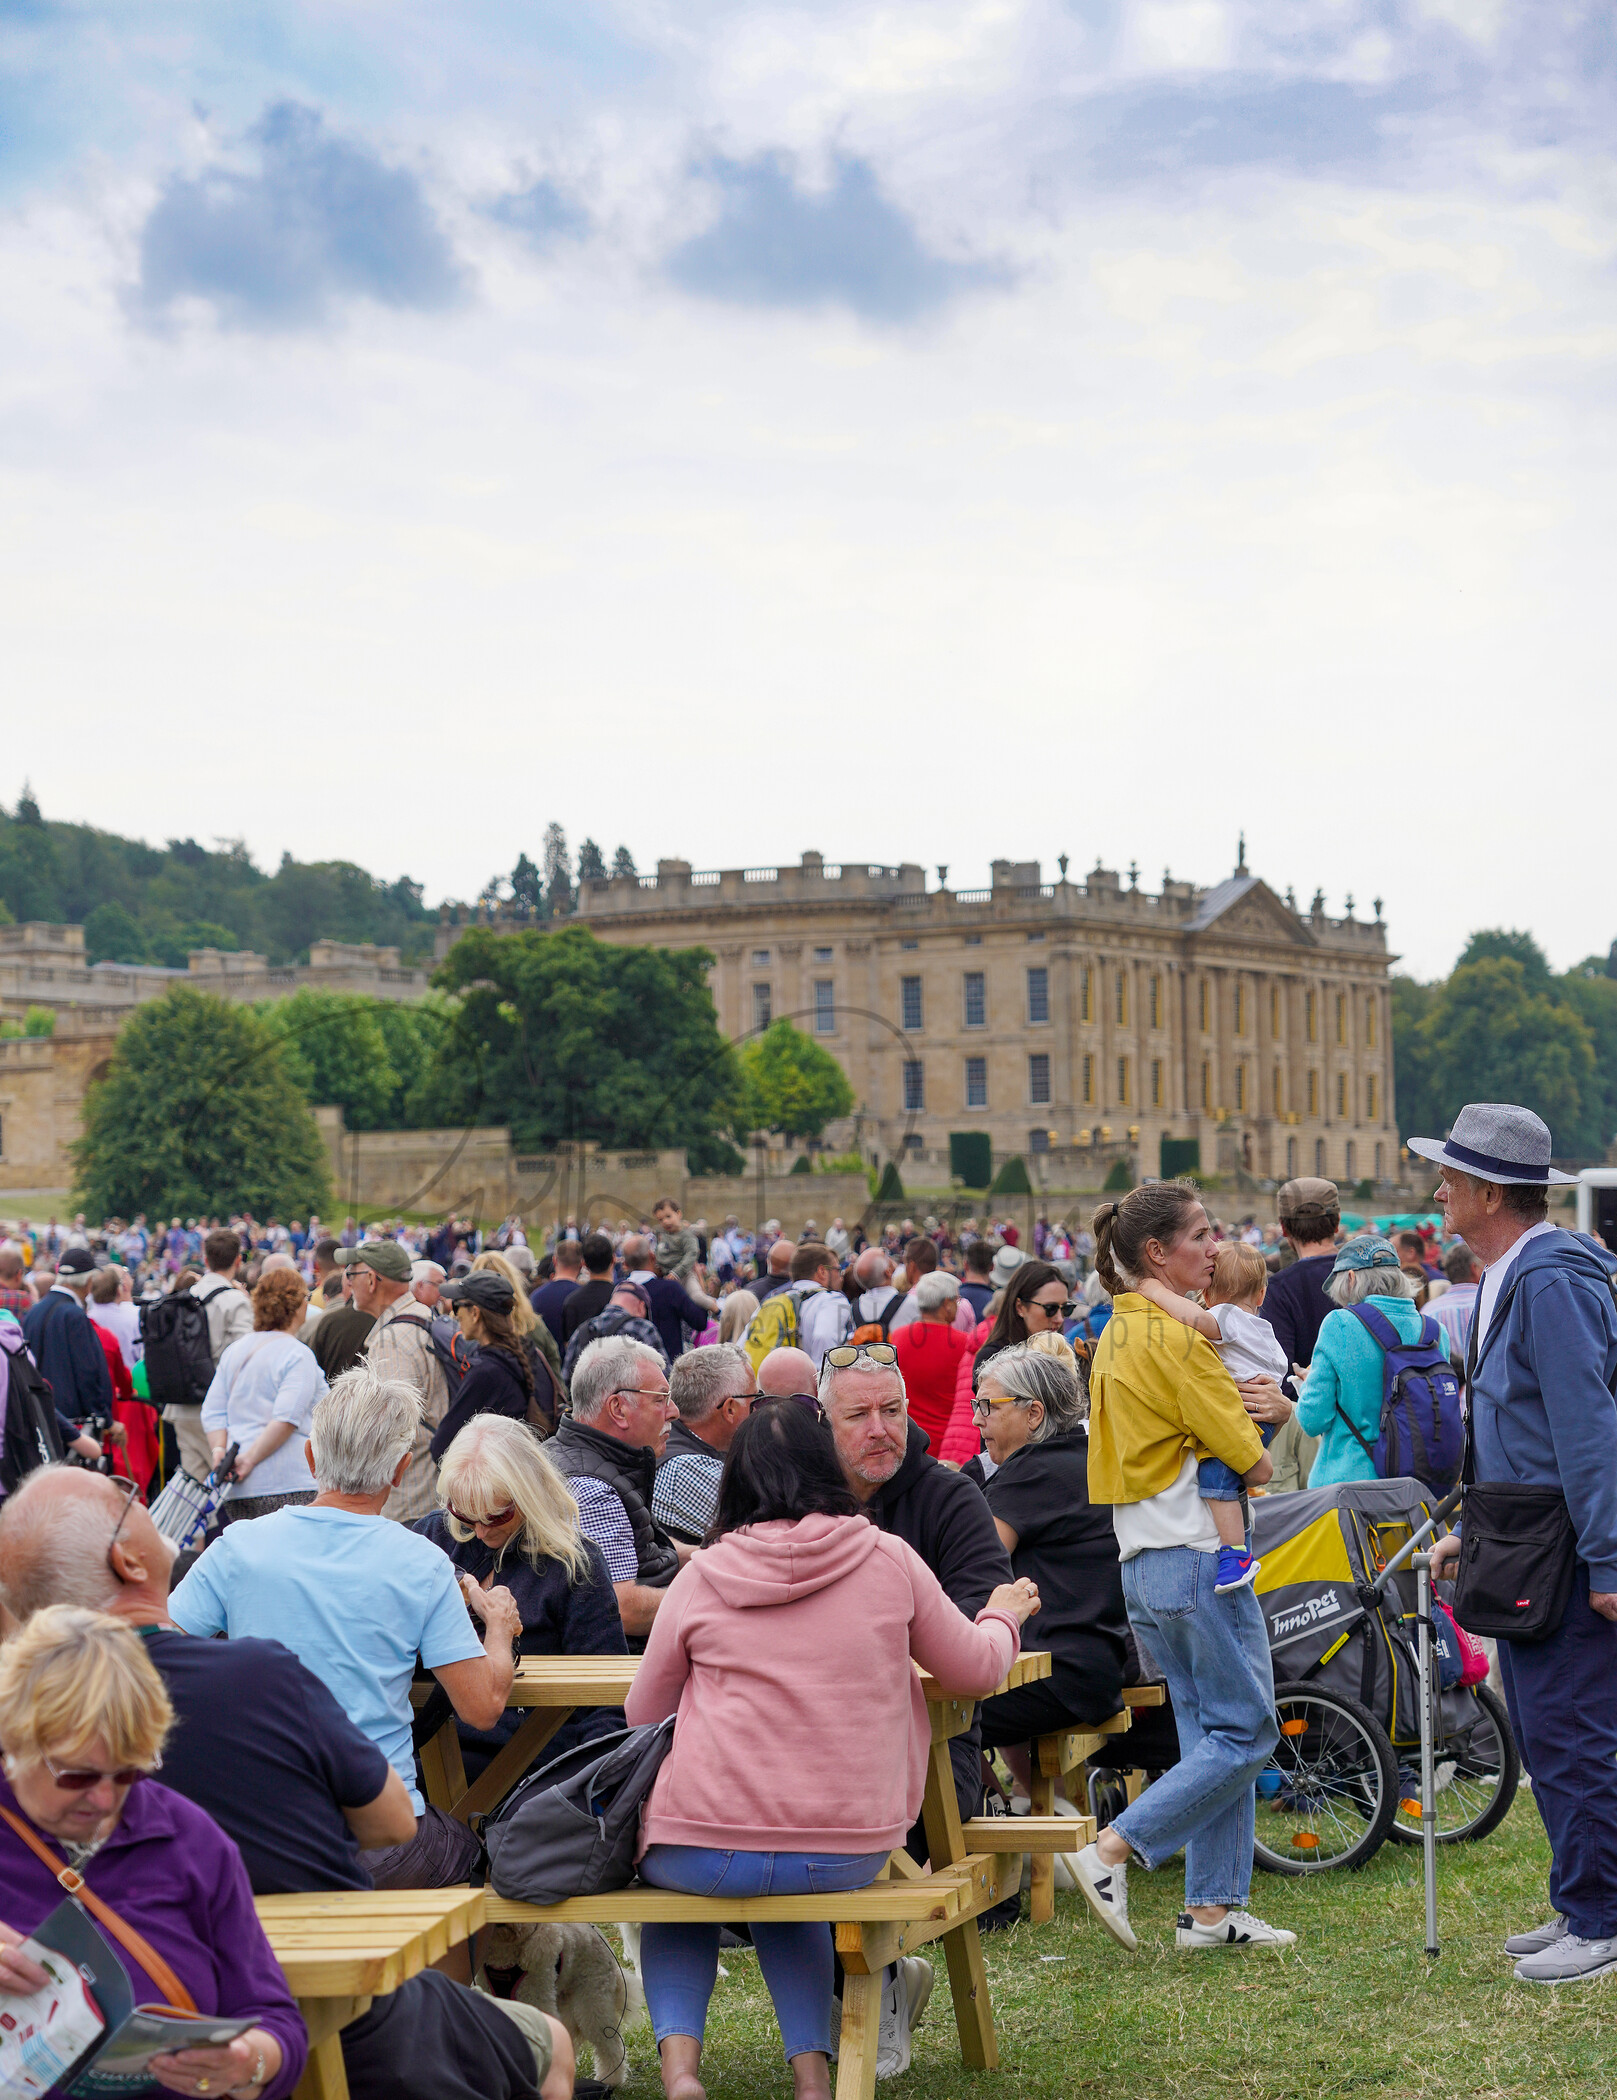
(1428, 1784)
(1422, 1562)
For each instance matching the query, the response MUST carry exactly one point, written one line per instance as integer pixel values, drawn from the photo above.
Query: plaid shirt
(399, 1348)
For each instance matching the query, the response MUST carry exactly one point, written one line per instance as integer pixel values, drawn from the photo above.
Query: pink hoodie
(785, 1651)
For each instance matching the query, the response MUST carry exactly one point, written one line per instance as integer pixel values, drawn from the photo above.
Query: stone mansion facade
(1079, 1018)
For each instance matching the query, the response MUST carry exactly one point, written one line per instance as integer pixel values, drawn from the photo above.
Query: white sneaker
(903, 2001)
(1106, 1891)
(1237, 1928)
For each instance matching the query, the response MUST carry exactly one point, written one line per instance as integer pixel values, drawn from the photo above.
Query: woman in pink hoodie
(785, 1640)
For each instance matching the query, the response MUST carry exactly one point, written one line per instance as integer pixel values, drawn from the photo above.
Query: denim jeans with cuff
(1214, 1653)
(679, 1963)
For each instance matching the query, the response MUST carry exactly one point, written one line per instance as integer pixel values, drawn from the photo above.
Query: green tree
(591, 866)
(558, 873)
(1419, 1111)
(333, 1045)
(1491, 1038)
(413, 1035)
(526, 892)
(112, 934)
(562, 1036)
(1519, 947)
(39, 1020)
(199, 1115)
(623, 864)
(793, 1084)
(1593, 998)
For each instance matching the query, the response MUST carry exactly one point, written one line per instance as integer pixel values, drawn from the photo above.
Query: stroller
(1345, 1774)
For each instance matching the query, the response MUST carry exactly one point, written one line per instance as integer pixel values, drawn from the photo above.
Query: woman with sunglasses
(83, 1716)
(506, 1517)
(1036, 1301)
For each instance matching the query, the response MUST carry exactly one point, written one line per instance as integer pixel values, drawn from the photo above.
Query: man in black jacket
(888, 1467)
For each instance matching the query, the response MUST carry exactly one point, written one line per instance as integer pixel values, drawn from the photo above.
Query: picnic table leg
(510, 1763)
(1042, 1892)
(963, 1947)
(325, 2077)
(442, 1772)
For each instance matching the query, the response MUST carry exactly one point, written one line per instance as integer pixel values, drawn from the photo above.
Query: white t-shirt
(1497, 1275)
(1250, 1348)
(1176, 1517)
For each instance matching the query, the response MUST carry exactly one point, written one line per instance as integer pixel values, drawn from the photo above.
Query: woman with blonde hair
(83, 1716)
(507, 1516)
(263, 1395)
(735, 1315)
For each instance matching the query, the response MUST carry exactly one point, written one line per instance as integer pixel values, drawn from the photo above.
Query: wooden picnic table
(555, 1687)
(341, 1948)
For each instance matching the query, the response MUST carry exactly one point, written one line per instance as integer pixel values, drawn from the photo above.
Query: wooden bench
(1054, 1756)
(341, 1948)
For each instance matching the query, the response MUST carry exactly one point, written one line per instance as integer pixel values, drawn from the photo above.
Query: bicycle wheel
(1330, 1792)
(1478, 1769)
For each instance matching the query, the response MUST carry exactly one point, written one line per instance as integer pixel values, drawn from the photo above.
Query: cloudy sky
(923, 429)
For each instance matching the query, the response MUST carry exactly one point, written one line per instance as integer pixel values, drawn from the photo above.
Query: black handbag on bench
(1518, 1548)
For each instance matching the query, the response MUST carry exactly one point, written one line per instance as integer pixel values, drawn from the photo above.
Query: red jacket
(930, 1357)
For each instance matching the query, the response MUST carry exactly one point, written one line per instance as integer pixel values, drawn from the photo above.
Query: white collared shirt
(1497, 1274)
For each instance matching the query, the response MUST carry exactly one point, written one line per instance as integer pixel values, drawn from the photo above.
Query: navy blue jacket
(672, 1311)
(68, 1351)
(1542, 1405)
(559, 1617)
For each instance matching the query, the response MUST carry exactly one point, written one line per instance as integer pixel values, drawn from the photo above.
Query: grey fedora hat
(1496, 1142)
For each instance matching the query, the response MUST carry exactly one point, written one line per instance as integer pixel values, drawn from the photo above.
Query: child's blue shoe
(1235, 1570)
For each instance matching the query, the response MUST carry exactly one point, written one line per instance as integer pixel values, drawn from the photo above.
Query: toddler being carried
(1231, 1321)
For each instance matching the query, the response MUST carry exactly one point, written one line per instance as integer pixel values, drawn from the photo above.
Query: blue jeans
(1217, 1482)
(1215, 1655)
(679, 1963)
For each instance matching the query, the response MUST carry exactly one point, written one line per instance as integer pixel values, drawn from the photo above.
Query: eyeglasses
(1053, 1308)
(850, 1352)
(495, 1516)
(131, 1495)
(980, 1408)
(81, 1782)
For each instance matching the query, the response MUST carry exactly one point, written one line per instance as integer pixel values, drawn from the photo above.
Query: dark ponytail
(1121, 1230)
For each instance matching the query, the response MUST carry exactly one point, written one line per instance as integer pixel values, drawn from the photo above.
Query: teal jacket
(1346, 1373)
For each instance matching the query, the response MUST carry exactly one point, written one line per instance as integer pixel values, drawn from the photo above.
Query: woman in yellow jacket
(1160, 1402)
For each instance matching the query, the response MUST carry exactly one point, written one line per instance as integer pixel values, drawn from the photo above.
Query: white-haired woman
(1031, 1405)
(735, 1314)
(83, 1716)
(1343, 1392)
(507, 1516)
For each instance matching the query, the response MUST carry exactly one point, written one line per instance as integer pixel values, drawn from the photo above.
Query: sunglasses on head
(72, 1782)
(495, 1516)
(850, 1353)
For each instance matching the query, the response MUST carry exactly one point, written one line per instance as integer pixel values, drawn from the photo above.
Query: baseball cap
(386, 1257)
(485, 1288)
(1368, 1251)
(1308, 1193)
(76, 1261)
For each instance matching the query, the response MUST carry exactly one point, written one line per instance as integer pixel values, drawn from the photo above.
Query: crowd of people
(774, 1468)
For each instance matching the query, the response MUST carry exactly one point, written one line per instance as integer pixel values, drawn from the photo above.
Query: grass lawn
(1355, 2008)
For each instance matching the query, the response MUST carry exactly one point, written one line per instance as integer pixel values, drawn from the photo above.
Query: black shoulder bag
(1518, 1548)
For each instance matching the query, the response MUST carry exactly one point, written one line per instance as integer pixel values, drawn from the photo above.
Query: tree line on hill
(1502, 1026)
(207, 1106)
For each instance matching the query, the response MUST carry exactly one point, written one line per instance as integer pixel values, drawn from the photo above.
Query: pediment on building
(1245, 908)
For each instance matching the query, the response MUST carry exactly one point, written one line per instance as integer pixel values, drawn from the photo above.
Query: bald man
(779, 1271)
(789, 1374)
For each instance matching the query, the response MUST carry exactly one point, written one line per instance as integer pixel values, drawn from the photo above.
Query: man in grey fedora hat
(1542, 1356)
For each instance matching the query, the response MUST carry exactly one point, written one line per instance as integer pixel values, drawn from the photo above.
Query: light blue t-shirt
(355, 1598)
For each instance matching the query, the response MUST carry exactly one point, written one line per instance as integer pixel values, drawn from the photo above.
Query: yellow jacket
(1158, 1389)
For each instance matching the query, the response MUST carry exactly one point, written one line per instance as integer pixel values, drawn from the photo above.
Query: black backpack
(179, 1356)
(572, 1828)
(31, 1437)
